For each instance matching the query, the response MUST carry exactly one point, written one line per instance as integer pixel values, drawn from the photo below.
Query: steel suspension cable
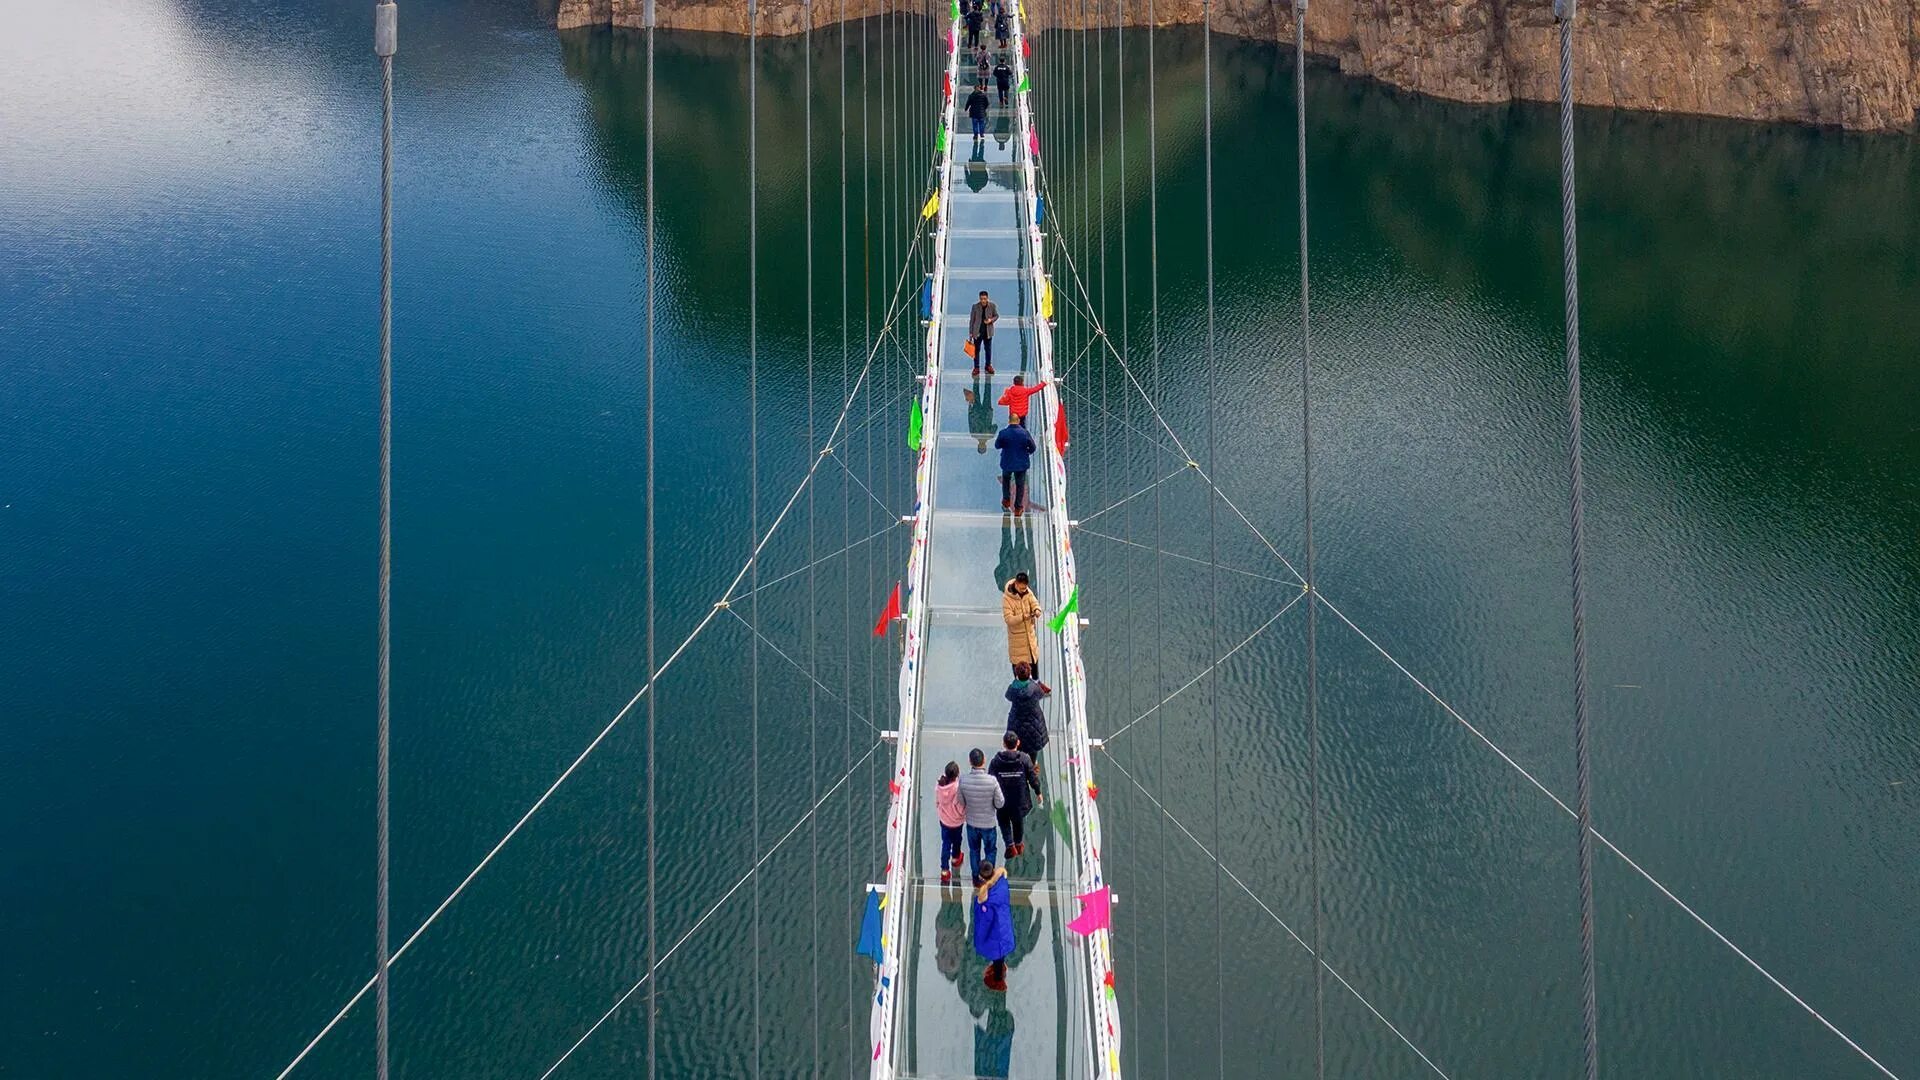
(846, 530)
(1159, 577)
(385, 44)
(753, 461)
(1306, 514)
(813, 603)
(1563, 11)
(653, 669)
(1213, 539)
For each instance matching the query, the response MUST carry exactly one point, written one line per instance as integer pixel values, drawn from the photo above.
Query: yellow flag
(1046, 299)
(932, 207)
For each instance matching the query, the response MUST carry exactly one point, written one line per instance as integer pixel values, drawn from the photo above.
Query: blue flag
(870, 930)
(1039, 209)
(926, 297)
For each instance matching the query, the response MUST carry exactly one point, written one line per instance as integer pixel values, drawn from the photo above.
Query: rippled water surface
(188, 201)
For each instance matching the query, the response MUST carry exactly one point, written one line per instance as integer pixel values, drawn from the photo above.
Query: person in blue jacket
(993, 923)
(1016, 457)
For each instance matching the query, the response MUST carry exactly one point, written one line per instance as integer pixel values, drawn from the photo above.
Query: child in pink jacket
(946, 801)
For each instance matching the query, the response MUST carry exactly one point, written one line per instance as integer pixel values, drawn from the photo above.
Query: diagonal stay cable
(827, 558)
(1606, 843)
(1186, 558)
(862, 485)
(1255, 897)
(1107, 415)
(705, 621)
(1224, 657)
(797, 666)
(1110, 507)
(1100, 334)
(711, 910)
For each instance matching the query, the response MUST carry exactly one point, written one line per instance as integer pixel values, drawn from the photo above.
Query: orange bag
(971, 349)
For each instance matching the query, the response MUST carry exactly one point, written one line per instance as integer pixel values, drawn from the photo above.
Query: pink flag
(1033, 143)
(1096, 912)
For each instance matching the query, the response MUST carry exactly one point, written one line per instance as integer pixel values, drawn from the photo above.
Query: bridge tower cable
(1563, 13)
(653, 667)
(1213, 540)
(813, 602)
(386, 41)
(1306, 517)
(1159, 518)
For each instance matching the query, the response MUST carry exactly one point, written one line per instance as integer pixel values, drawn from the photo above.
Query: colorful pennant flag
(1033, 143)
(1096, 911)
(1025, 85)
(1025, 49)
(1059, 621)
(1046, 299)
(892, 612)
(914, 420)
(1060, 427)
(954, 11)
(940, 144)
(1039, 209)
(933, 201)
(946, 83)
(870, 930)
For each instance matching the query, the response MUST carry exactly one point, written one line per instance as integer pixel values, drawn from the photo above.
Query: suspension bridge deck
(933, 1015)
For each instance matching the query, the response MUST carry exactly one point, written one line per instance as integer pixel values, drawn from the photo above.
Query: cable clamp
(1192, 464)
(386, 29)
(723, 605)
(890, 735)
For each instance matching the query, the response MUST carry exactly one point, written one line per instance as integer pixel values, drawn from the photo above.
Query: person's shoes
(958, 859)
(1006, 504)
(996, 980)
(989, 368)
(1017, 849)
(946, 877)
(976, 371)
(1018, 510)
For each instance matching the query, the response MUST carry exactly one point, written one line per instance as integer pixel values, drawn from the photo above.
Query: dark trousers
(979, 126)
(1013, 827)
(950, 844)
(973, 36)
(1013, 488)
(978, 838)
(982, 345)
(1003, 94)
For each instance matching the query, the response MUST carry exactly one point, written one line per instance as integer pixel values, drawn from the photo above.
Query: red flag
(946, 84)
(1025, 49)
(1060, 428)
(892, 612)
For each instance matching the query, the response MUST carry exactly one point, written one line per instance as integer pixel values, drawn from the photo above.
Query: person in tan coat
(1021, 610)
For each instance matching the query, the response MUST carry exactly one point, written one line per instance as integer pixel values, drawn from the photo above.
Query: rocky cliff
(1847, 63)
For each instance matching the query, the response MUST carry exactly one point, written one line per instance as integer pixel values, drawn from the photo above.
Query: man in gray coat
(980, 330)
(981, 797)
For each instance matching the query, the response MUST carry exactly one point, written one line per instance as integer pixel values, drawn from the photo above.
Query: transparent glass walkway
(951, 1024)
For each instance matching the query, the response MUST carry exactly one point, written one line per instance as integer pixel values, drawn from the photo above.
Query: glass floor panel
(973, 556)
(980, 177)
(986, 211)
(983, 416)
(1013, 352)
(985, 249)
(970, 480)
(1006, 287)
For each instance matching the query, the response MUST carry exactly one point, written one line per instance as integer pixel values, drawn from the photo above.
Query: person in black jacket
(1003, 79)
(1025, 720)
(1015, 771)
(977, 105)
(973, 17)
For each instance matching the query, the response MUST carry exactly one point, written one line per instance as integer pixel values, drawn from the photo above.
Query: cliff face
(1849, 63)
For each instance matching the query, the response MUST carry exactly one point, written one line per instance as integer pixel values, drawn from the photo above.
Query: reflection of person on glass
(993, 923)
(981, 423)
(1016, 550)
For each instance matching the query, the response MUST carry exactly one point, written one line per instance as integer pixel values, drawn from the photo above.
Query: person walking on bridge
(984, 313)
(1002, 30)
(973, 17)
(1025, 718)
(993, 922)
(1015, 398)
(981, 800)
(1020, 609)
(977, 106)
(1016, 457)
(953, 818)
(1018, 781)
(1003, 75)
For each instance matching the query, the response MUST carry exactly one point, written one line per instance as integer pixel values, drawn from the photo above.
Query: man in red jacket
(1015, 399)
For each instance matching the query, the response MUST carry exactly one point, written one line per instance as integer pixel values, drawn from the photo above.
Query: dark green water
(188, 199)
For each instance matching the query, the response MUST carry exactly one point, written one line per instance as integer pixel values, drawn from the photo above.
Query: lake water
(188, 200)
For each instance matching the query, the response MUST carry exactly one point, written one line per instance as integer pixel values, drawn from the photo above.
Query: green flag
(914, 420)
(1059, 622)
(1025, 85)
(954, 11)
(940, 144)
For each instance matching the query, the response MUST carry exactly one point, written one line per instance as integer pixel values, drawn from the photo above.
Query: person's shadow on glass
(980, 419)
(1003, 131)
(977, 168)
(1016, 550)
